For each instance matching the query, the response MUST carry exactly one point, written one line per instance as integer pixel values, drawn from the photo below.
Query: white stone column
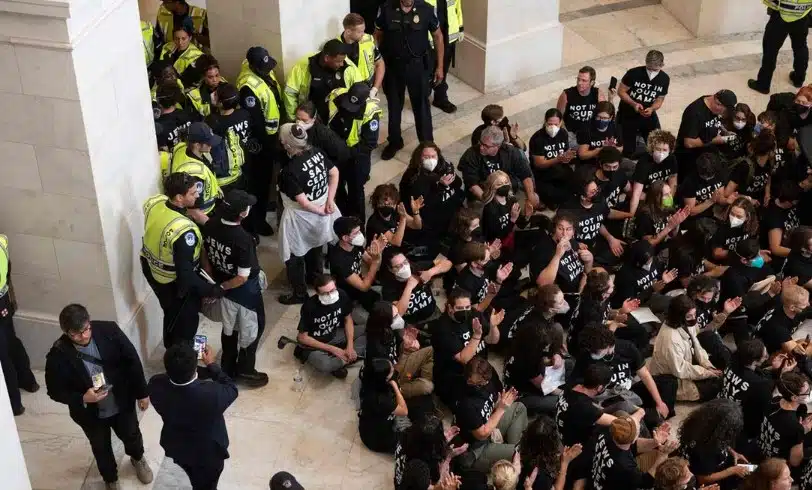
(507, 41)
(705, 18)
(12, 461)
(288, 29)
(79, 158)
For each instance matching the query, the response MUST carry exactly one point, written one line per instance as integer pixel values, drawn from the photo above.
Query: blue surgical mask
(602, 125)
(757, 128)
(757, 262)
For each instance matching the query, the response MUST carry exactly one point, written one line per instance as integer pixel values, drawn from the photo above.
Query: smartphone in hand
(613, 84)
(200, 345)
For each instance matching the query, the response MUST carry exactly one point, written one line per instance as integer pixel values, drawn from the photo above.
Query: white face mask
(398, 323)
(652, 74)
(306, 125)
(659, 156)
(562, 307)
(358, 240)
(739, 124)
(404, 272)
(552, 130)
(329, 298)
(430, 164)
(735, 222)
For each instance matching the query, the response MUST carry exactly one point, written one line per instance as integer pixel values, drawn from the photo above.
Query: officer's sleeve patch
(250, 101)
(373, 125)
(190, 239)
(199, 187)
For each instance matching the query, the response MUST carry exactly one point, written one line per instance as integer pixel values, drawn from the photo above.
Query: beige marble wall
(705, 18)
(77, 128)
(507, 41)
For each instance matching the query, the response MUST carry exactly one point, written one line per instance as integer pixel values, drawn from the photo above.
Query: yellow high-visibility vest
(372, 109)
(148, 33)
(455, 24)
(366, 56)
(166, 20)
(297, 86)
(185, 60)
(790, 10)
(162, 227)
(267, 101)
(4, 260)
(209, 188)
(194, 96)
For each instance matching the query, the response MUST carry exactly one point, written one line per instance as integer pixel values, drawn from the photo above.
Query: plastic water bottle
(298, 381)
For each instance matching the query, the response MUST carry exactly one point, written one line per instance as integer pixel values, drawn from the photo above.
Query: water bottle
(298, 381)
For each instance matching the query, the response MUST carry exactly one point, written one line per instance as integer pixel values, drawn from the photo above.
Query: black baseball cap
(259, 58)
(355, 98)
(334, 47)
(285, 481)
(727, 98)
(201, 133)
(237, 201)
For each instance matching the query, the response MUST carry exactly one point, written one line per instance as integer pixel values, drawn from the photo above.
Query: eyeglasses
(80, 333)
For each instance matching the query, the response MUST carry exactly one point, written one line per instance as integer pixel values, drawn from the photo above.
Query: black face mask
(386, 211)
(609, 173)
(476, 235)
(690, 323)
(801, 109)
(503, 191)
(462, 316)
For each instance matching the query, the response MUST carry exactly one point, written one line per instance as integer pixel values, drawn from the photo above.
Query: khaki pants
(512, 426)
(415, 370)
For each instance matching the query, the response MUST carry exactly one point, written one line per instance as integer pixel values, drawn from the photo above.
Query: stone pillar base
(706, 18)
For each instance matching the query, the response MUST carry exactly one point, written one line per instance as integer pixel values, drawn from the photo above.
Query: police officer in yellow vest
(194, 158)
(183, 55)
(787, 18)
(152, 40)
(200, 97)
(13, 357)
(164, 154)
(171, 257)
(175, 12)
(449, 12)
(363, 52)
(356, 118)
(314, 77)
(259, 95)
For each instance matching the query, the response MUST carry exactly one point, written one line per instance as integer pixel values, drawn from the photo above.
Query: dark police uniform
(407, 52)
(787, 18)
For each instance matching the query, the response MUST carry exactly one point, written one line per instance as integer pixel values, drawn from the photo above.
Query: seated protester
(741, 223)
(346, 256)
(428, 443)
(614, 456)
(674, 474)
(591, 212)
(642, 277)
(613, 183)
(541, 451)
(465, 229)
(687, 251)
(174, 121)
(779, 219)
(550, 156)
(599, 346)
(704, 290)
(381, 402)
(409, 290)
(594, 309)
(490, 155)
(457, 337)
(577, 415)
(747, 269)
(502, 214)
(602, 131)
(494, 115)
(739, 124)
(431, 177)
(678, 353)
(659, 220)
(383, 330)
(706, 438)
(544, 307)
(750, 381)
(773, 474)
(702, 189)
(769, 120)
(778, 325)
(328, 338)
(657, 164)
(799, 260)
(390, 218)
(799, 117)
(475, 279)
(485, 410)
(752, 175)
(784, 426)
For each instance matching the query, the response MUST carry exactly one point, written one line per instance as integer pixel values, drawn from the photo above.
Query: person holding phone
(642, 92)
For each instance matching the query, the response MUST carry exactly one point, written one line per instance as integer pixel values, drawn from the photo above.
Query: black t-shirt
(381, 348)
(739, 278)
(306, 173)
(475, 408)
(238, 122)
(615, 468)
(344, 264)
(375, 419)
(174, 125)
(421, 302)
(613, 189)
(752, 390)
(589, 310)
(647, 171)
(727, 237)
(570, 268)
(698, 122)
(580, 108)
(775, 328)
(753, 185)
(541, 144)
(625, 364)
(475, 284)
(449, 338)
(440, 202)
(798, 266)
(590, 135)
(590, 220)
(519, 372)
(642, 89)
(776, 217)
(544, 480)
(634, 282)
(229, 248)
(379, 225)
(576, 415)
(646, 225)
(780, 431)
(737, 147)
(321, 321)
(705, 461)
(695, 187)
(496, 220)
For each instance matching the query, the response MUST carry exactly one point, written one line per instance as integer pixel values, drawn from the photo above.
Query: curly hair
(670, 473)
(714, 425)
(461, 224)
(540, 446)
(416, 161)
(658, 137)
(751, 224)
(382, 192)
(595, 337)
(597, 284)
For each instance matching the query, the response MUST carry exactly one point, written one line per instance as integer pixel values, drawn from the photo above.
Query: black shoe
(340, 373)
(292, 299)
(256, 238)
(445, 106)
(391, 150)
(31, 388)
(21, 410)
(794, 81)
(253, 380)
(753, 84)
(264, 229)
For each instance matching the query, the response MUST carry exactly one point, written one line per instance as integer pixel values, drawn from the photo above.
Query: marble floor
(313, 433)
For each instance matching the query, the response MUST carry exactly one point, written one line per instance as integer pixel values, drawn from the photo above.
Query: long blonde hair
(494, 181)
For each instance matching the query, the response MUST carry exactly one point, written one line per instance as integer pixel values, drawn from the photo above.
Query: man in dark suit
(194, 434)
(94, 369)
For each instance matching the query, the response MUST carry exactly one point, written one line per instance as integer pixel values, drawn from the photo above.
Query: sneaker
(32, 388)
(264, 229)
(293, 299)
(753, 84)
(340, 373)
(18, 411)
(794, 81)
(253, 380)
(445, 106)
(142, 470)
(391, 150)
(112, 485)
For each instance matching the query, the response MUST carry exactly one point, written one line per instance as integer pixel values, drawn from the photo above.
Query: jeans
(324, 362)
(125, 425)
(512, 426)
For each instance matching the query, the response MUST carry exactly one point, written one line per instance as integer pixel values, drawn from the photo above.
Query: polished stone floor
(313, 433)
